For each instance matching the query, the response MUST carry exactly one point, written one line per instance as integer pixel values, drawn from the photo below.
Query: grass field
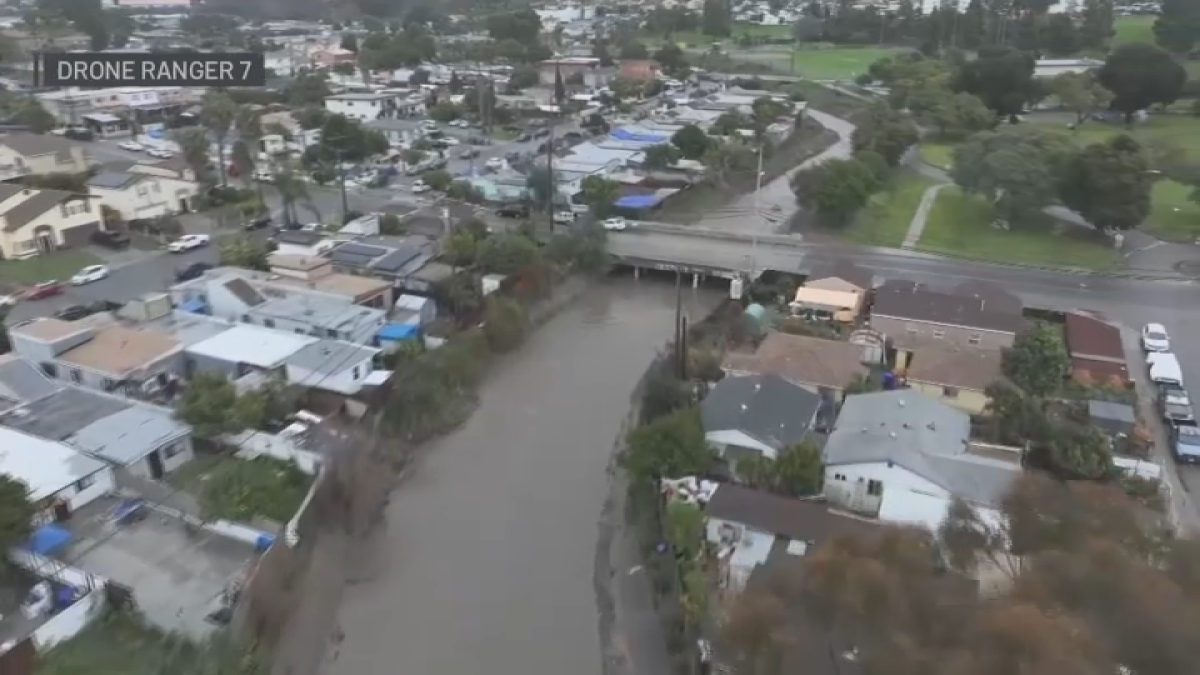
(959, 225)
(886, 219)
(1174, 215)
(1131, 29)
(58, 266)
(838, 63)
(698, 39)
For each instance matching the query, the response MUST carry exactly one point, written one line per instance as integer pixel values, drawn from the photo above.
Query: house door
(62, 511)
(184, 207)
(156, 465)
(44, 236)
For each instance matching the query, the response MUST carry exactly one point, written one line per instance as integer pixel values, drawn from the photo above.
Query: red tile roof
(1087, 336)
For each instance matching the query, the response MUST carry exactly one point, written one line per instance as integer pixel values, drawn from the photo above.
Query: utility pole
(757, 215)
(342, 185)
(552, 188)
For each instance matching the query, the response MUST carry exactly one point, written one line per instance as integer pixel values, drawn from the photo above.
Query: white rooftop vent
(901, 403)
(891, 434)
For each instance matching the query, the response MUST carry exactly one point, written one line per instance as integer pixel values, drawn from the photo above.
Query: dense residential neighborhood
(746, 337)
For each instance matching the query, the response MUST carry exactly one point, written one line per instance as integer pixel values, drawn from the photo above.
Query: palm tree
(193, 145)
(218, 116)
(293, 191)
(248, 123)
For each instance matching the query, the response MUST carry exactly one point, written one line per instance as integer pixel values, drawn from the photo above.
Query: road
(490, 549)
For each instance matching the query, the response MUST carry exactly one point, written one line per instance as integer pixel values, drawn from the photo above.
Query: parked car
(46, 289)
(188, 242)
(111, 239)
(420, 187)
(79, 134)
(73, 312)
(541, 133)
(524, 138)
(132, 147)
(563, 217)
(1155, 338)
(264, 176)
(260, 223)
(616, 224)
(494, 163)
(513, 211)
(469, 153)
(90, 274)
(193, 271)
(160, 153)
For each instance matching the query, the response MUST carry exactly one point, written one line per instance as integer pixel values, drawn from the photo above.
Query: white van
(1164, 368)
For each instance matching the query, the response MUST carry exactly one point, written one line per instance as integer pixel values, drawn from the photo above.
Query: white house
(757, 415)
(60, 480)
(303, 244)
(38, 221)
(138, 196)
(902, 456)
(332, 365)
(364, 107)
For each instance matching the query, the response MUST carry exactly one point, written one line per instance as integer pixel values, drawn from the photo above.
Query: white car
(188, 242)
(616, 224)
(160, 153)
(420, 187)
(1155, 338)
(132, 147)
(264, 176)
(89, 274)
(563, 217)
(495, 163)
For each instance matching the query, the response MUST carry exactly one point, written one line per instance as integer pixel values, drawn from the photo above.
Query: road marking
(635, 569)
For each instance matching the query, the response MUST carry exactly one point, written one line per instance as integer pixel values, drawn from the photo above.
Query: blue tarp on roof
(47, 539)
(195, 306)
(624, 134)
(394, 332)
(638, 201)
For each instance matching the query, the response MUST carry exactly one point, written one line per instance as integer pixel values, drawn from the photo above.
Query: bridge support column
(695, 281)
(637, 273)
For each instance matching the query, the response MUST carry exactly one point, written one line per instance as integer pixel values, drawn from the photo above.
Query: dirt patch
(702, 199)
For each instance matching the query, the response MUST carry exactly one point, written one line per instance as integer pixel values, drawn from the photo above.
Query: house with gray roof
(902, 456)
(35, 221)
(757, 415)
(26, 154)
(140, 195)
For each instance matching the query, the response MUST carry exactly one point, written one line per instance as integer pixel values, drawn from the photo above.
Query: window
(331, 332)
(949, 392)
(84, 483)
(299, 331)
(357, 372)
(50, 369)
(839, 476)
(246, 319)
(269, 323)
(172, 450)
(939, 334)
(975, 338)
(76, 376)
(875, 488)
(109, 384)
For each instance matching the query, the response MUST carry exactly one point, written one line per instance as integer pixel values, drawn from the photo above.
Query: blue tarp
(47, 539)
(195, 307)
(623, 134)
(394, 332)
(638, 201)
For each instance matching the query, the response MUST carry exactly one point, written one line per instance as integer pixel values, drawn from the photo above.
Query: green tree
(1038, 362)
(31, 113)
(886, 132)
(208, 406)
(1110, 184)
(560, 87)
(507, 253)
(599, 193)
(957, 116)
(505, 324)
(1001, 77)
(460, 249)
(349, 42)
(835, 190)
(1081, 94)
(672, 59)
(542, 188)
(1096, 27)
(444, 112)
(671, 446)
(193, 146)
(247, 121)
(691, 141)
(1177, 28)
(1141, 75)
(218, 114)
(17, 511)
(244, 252)
(1016, 168)
(1059, 35)
(661, 156)
(438, 179)
(717, 19)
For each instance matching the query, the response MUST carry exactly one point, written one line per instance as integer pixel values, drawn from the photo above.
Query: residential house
(639, 70)
(175, 169)
(912, 315)
(268, 301)
(131, 437)
(60, 480)
(1117, 420)
(902, 456)
(836, 274)
(22, 382)
(1051, 68)
(586, 68)
(99, 353)
(38, 221)
(1097, 351)
(825, 366)
(394, 262)
(24, 154)
(757, 415)
(750, 527)
(318, 274)
(303, 243)
(363, 107)
(829, 300)
(957, 376)
(333, 366)
(142, 196)
(398, 132)
(243, 350)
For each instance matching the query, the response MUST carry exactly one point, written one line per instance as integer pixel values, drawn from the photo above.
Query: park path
(921, 216)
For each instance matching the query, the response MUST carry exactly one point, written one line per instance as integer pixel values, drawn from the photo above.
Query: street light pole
(758, 177)
(342, 185)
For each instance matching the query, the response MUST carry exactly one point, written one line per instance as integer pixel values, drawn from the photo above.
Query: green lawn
(1174, 216)
(58, 266)
(1133, 29)
(244, 489)
(937, 154)
(959, 225)
(886, 219)
(838, 63)
(1178, 131)
(698, 39)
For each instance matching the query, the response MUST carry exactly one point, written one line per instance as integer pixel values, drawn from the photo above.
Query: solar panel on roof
(395, 260)
(361, 250)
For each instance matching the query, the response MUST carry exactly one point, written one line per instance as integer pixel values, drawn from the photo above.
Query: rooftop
(326, 357)
(906, 300)
(63, 413)
(259, 347)
(188, 328)
(120, 350)
(129, 435)
(43, 465)
(21, 381)
(47, 329)
(349, 285)
(805, 520)
(767, 408)
(178, 574)
(803, 360)
(960, 368)
(331, 315)
(296, 262)
(34, 145)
